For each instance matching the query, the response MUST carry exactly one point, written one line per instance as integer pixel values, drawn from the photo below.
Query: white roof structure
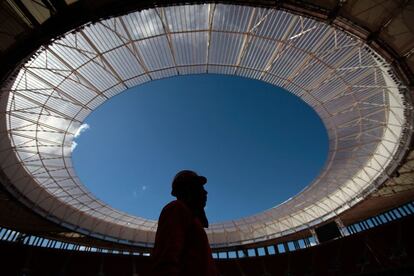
(349, 85)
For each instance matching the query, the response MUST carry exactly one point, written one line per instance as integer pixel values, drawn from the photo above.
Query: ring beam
(351, 87)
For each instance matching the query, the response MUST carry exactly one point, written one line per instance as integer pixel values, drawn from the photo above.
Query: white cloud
(81, 129)
(144, 188)
(78, 132)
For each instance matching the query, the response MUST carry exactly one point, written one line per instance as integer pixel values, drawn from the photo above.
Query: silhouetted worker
(181, 245)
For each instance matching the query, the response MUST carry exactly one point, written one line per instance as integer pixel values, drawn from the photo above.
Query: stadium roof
(350, 85)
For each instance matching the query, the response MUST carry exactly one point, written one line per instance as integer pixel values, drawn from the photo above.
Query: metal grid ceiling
(350, 87)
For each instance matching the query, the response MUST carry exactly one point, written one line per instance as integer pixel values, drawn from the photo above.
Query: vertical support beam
(306, 241)
(266, 250)
(25, 270)
(296, 244)
(101, 268)
(286, 247)
(342, 228)
(315, 237)
(134, 267)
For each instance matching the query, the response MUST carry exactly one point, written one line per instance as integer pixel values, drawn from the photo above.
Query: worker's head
(189, 187)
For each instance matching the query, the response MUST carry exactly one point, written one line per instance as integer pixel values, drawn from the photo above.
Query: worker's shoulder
(175, 210)
(176, 206)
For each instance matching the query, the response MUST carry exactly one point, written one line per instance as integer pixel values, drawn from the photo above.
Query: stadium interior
(351, 61)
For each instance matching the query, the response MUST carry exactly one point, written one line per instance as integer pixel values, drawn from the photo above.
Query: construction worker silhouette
(181, 245)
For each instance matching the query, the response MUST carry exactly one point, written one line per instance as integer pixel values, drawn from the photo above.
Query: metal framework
(351, 87)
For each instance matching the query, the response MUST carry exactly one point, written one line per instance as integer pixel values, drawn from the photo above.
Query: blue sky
(257, 144)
